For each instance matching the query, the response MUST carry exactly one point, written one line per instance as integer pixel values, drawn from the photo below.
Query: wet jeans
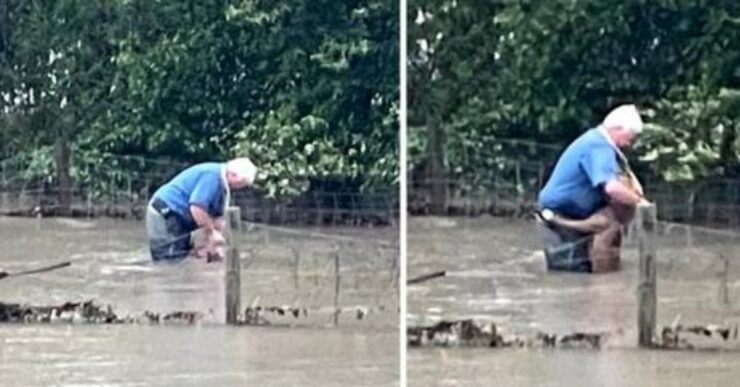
(169, 236)
(565, 249)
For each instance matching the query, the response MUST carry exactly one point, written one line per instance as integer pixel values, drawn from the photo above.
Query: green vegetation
(544, 71)
(308, 89)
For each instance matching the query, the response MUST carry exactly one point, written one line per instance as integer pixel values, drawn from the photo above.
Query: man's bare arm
(620, 192)
(201, 218)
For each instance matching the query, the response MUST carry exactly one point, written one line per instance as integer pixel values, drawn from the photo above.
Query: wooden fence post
(646, 291)
(337, 279)
(232, 272)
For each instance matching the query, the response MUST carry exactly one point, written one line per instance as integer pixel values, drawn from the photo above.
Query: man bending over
(591, 193)
(193, 200)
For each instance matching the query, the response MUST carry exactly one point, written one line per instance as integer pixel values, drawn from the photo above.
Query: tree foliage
(547, 70)
(306, 88)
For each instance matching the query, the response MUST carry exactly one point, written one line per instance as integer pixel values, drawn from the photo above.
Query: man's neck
(602, 129)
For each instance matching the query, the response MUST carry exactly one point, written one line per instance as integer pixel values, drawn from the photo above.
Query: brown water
(110, 265)
(496, 273)
(571, 368)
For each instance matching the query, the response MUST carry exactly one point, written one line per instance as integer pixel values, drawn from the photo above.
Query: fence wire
(347, 274)
(121, 186)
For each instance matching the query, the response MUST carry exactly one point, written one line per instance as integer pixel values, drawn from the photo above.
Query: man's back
(575, 187)
(201, 184)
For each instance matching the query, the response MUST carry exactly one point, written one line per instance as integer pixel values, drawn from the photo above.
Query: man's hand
(209, 245)
(219, 224)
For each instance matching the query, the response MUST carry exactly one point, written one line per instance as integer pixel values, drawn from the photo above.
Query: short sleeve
(600, 165)
(206, 191)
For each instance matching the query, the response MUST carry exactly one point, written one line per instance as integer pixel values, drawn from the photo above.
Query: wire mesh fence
(698, 282)
(112, 185)
(122, 185)
(503, 178)
(507, 178)
(324, 276)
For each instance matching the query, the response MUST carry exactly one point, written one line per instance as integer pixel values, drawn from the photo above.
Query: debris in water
(183, 316)
(426, 277)
(361, 313)
(91, 313)
(254, 315)
(670, 336)
(257, 314)
(476, 334)
(455, 333)
(86, 312)
(579, 339)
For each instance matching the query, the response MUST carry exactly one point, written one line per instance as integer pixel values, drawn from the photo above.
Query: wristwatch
(547, 215)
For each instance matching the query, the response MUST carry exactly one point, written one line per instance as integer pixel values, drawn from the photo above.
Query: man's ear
(231, 177)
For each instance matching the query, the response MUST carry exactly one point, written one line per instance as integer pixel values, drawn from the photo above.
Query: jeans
(565, 250)
(169, 236)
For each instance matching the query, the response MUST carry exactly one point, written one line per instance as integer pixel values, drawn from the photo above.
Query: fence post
(296, 265)
(724, 292)
(232, 272)
(518, 177)
(540, 175)
(146, 192)
(89, 205)
(337, 280)
(646, 290)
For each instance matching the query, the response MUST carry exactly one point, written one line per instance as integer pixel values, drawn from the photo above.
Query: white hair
(243, 168)
(626, 117)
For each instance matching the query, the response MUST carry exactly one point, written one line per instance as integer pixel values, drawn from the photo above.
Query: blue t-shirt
(576, 185)
(199, 185)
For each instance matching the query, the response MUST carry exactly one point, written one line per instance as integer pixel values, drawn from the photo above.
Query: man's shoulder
(204, 169)
(209, 166)
(592, 139)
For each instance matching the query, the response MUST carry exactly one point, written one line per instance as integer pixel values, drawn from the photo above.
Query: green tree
(544, 71)
(307, 88)
(55, 77)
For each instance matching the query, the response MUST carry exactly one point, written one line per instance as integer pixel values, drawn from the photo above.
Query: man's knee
(605, 249)
(565, 249)
(568, 250)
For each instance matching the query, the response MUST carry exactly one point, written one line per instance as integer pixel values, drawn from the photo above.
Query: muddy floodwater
(110, 265)
(496, 273)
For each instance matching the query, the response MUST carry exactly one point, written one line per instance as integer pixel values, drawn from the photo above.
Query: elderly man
(591, 193)
(193, 200)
